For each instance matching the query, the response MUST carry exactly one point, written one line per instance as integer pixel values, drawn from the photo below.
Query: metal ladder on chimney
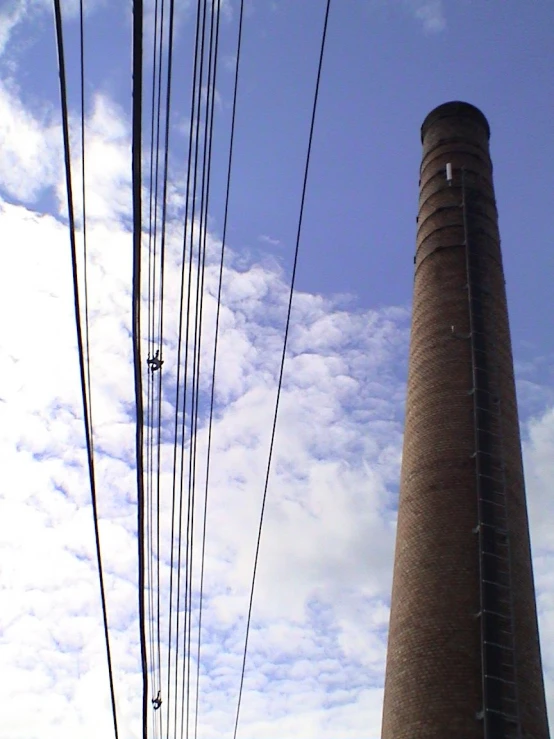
(500, 709)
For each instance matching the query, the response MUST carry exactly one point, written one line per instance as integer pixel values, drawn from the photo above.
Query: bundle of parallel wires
(167, 410)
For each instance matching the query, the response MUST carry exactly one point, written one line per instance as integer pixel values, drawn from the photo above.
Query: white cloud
(329, 468)
(17, 13)
(10, 17)
(539, 472)
(30, 155)
(324, 477)
(265, 239)
(316, 656)
(430, 13)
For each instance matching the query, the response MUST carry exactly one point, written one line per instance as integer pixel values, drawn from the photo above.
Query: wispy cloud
(10, 17)
(316, 657)
(335, 469)
(265, 239)
(336, 460)
(539, 472)
(430, 13)
(30, 155)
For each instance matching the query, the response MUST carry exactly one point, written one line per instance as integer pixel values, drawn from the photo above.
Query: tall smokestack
(463, 656)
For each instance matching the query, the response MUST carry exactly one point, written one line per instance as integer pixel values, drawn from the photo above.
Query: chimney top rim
(454, 109)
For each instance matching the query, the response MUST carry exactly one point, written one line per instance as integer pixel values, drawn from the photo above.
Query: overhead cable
(216, 336)
(283, 355)
(186, 674)
(84, 213)
(83, 376)
(177, 516)
(136, 155)
(153, 422)
(165, 176)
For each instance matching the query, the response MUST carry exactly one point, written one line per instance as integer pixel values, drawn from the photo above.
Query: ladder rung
(492, 502)
(494, 497)
(497, 584)
(503, 544)
(483, 384)
(480, 451)
(508, 716)
(486, 350)
(485, 392)
(482, 288)
(508, 699)
(491, 413)
(510, 666)
(497, 529)
(491, 462)
(476, 283)
(501, 503)
(496, 615)
(504, 603)
(489, 612)
(493, 488)
(506, 607)
(486, 431)
(506, 635)
(501, 680)
(501, 557)
(505, 560)
(490, 477)
(503, 575)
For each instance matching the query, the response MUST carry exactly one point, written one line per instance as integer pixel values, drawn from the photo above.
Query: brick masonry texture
(433, 685)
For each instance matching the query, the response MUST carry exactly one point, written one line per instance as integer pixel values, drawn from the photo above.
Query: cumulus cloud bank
(317, 644)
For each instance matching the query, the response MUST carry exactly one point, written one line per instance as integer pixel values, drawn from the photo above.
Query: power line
(283, 355)
(88, 425)
(162, 286)
(83, 194)
(154, 405)
(194, 90)
(218, 311)
(137, 256)
(195, 361)
(202, 238)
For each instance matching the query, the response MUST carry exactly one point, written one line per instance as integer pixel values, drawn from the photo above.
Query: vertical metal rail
(500, 709)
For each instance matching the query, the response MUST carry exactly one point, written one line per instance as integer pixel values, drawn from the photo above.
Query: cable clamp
(155, 363)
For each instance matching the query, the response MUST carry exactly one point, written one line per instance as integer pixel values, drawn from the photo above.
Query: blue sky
(316, 659)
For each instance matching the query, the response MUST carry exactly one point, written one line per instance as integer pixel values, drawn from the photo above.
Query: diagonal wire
(88, 428)
(217, 319)
(281, 369)
(84, 199)
(158, 384)
(153, 518)
(204, 200)
(204, 208)
(161, 312)
(150, 384)
(185, 365)
(154, 430)
(190, 501)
